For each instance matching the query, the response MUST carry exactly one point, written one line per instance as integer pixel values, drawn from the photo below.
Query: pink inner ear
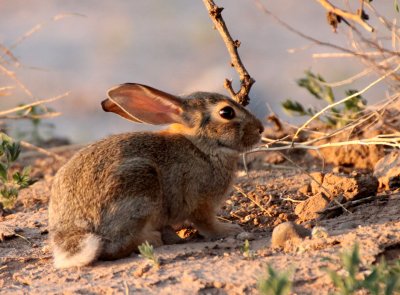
(147, 104)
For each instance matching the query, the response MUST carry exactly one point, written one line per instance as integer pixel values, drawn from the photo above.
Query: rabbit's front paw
(221, 230)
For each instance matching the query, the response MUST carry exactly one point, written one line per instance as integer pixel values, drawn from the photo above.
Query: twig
(27, 106)
(12, 75)
(24, 238)
(393, 142)
(6, 90)
(276, 166)
(344, 100)
(246, 81)
(357, 17)
(262, 7)
(357, 76)
(251, 199)
(126, 288)
(38, 27)
(352, 203)
(41, 150)
(291, 200)
(317, 182)
(342, 54)
(224, 219)
(8, 53)
(30, 117)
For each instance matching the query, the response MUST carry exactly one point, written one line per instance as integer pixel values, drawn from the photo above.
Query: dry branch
(27, 106)
(357, 17)
(344, 100)
(30, 146)
(31, 117)
(246, 81)
(262, 7)
(40, 26)
(12, 76)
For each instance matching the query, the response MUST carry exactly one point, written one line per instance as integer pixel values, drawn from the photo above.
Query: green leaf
(15, 150)
(22, 179)
(396, 5)
(313, 83)
(355, 104)
(3, 172)
(294, 108)
(275, 283)
(5, 138)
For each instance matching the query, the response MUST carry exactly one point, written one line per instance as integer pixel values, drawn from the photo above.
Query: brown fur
(127, 188)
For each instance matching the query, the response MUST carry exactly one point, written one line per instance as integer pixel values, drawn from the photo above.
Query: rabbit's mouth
(225, 146)
(246, 144)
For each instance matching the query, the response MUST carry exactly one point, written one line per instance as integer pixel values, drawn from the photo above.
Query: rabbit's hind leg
(135, 213)
(129, 243)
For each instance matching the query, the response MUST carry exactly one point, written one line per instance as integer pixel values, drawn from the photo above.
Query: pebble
(218, 285)
(245, 236)
(319, 232)
(288, 231)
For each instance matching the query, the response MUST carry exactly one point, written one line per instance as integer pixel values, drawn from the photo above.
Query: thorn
(236, 43)
(215, 11)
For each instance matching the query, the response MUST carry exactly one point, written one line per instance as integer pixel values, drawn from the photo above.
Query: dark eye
(227, 113)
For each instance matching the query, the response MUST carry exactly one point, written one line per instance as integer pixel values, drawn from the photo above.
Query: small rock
(317, 179)
(351, 187)
(387, 170)
(37, 223)
(6, 231)
(245, 236)
(288, 231)
(309, 209)
(218, 285)
(141, 270)
(319, 232)
(305, 189)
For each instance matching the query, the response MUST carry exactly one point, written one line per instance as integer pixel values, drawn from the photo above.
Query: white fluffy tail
(89, 249)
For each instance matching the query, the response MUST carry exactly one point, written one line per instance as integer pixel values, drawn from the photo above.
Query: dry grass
(378, 56)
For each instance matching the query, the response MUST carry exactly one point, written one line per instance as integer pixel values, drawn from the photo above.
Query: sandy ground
(199, 266)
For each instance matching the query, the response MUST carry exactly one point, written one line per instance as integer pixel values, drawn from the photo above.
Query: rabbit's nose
(260, 127)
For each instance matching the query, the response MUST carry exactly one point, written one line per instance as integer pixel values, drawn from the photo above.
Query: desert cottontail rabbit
(124, 190)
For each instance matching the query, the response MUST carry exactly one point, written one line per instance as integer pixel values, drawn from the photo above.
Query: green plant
(380, 278)
(11, 183)
(35, 114)
(147, 251)
(316, 86)
(246, 250)
(275, 283)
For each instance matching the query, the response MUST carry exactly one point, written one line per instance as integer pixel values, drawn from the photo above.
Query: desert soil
(259, 201)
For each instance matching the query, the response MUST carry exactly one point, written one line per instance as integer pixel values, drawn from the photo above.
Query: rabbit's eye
(227, 113)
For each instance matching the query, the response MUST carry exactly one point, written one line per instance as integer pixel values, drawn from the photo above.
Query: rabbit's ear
(140, 103)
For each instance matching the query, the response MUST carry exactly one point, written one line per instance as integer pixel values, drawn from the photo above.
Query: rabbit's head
(208, 119)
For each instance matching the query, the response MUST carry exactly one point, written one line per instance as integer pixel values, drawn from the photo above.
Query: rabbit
(121, 191)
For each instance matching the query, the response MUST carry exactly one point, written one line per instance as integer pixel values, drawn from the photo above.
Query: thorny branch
(358, 17)
(246, 81)
(264, 9)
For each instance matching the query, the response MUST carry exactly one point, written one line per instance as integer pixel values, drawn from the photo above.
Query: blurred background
(171, 45)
